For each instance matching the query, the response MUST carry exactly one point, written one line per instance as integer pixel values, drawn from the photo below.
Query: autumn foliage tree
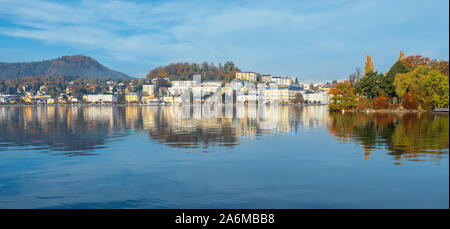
(184, 71)
(427, 86)
(409, 102)
(368, 66)
(401, 56)
(381, 102)
(414, 61)
(436, 87)
(343, 97)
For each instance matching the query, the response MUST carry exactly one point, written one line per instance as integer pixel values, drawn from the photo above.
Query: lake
(233, 157)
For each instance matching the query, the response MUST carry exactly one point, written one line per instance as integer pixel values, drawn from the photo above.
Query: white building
(100, 98)
(211, 87)
(148, 89)
(4, 100)
(250, 76)
(280, 94)
(283, 81)
(179, 86)
(266, 78)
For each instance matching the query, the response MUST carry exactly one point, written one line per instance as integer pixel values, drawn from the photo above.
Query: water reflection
(81, 130)
(409, 136)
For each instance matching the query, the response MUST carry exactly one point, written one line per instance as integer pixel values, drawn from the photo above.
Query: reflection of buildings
(81, 128)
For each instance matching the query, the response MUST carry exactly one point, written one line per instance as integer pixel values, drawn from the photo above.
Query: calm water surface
(243, 157)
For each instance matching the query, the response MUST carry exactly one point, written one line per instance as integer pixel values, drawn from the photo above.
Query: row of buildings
(246, 87)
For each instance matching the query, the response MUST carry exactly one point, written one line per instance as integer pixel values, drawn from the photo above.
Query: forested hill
(184, 71)
(77, 66)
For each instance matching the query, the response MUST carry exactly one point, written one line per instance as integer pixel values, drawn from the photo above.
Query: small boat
(440, 109)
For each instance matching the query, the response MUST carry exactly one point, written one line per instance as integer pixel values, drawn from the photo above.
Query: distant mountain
(78, 66)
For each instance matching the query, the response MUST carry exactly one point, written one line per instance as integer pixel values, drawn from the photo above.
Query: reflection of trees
(70, 129)
(409, 135)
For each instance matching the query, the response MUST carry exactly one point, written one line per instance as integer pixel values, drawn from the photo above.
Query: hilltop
(76, 66)
(184, 71)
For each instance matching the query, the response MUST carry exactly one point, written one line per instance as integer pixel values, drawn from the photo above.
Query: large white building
(280, 94)
(100, 98)
(211, 87)
(179, 86)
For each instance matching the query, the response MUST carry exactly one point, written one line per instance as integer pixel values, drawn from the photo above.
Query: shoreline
(122, 105)
(368, 111)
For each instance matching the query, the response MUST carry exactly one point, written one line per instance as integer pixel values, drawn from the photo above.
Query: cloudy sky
(311, 40)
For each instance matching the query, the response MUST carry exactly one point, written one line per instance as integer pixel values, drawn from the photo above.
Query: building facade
(280, 94)
(283, 81)
(100, 98)
(148, 90)
(266, 78)
(250, 76)
(132, 97)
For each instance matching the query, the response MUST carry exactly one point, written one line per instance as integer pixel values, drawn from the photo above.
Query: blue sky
(311, 40)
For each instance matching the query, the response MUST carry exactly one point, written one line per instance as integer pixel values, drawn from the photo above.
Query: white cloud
(273, 37)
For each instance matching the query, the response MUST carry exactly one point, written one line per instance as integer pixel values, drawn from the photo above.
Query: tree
(441, 66)
(78, 91)
(436, 86)
(368, 66)
(409, 102)
(429, 87)
(370, 85)
(401, 56)
(414, 61)
(298, 98)
(354, 77)
(184, 71)
(342, 96)
(388, 85)
(411, 81)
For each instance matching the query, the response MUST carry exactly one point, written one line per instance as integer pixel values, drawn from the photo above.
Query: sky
(310, 40)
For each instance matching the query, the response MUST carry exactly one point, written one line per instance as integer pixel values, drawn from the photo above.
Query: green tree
(436, 88)
(412, 82)
(370, 85)
(388, 83)
(429, 87)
